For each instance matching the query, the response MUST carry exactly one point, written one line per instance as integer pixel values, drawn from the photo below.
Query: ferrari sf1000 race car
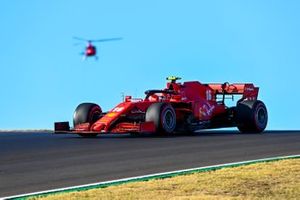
(180, 107)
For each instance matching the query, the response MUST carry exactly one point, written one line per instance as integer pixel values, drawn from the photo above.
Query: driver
(157, 97)
(153, 97)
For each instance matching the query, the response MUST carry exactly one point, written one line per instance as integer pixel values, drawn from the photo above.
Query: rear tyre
(251, 116)
(163, 116)
(87, 113)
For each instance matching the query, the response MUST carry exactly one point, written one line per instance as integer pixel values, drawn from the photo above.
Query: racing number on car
(118, 109)
(208, 95)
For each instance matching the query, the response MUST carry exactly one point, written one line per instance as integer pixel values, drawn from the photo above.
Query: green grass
(271, 180)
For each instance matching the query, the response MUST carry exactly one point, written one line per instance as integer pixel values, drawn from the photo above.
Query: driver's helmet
(153, 97)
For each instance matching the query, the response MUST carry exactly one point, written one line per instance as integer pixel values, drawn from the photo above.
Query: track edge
(163, 175)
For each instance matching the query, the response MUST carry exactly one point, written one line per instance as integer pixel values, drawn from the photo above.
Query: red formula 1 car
(180, 107)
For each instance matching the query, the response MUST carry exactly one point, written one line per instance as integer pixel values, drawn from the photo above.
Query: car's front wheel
(87, 113)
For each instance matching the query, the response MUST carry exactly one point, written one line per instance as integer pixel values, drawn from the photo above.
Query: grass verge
(271, 180)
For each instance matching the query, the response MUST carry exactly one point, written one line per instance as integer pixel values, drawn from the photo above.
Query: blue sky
(43, 78)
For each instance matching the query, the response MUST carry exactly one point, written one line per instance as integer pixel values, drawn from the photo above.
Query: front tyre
(251, 116)
(87, 113)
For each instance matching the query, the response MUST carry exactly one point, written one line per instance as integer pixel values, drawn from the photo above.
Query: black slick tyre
(87, 113)
(251, 116)
(163, 116)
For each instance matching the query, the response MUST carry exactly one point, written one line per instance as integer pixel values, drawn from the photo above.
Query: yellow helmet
(173, 79)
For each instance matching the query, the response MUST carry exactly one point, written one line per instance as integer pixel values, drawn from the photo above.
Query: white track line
(147, 176)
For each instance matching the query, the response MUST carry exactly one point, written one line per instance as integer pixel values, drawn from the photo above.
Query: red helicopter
(90, 49)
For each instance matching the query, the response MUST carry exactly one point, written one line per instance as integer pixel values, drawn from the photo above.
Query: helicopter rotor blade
(78, 43)
(82, 39)
(107, 39)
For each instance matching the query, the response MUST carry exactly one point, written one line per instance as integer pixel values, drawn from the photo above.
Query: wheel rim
(168, 120)
(95, 116)
(261, 116)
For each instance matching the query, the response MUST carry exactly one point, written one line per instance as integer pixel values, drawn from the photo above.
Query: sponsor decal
(136, 110)
(112, 114)
(249, 89)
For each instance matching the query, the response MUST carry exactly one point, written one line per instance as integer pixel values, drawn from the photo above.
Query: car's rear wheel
(163, 116)
(87, 113)
(251, 116)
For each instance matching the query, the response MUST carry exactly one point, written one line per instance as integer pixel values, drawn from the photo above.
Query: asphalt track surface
(31, 162)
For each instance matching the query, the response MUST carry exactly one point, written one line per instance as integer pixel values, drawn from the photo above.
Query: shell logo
(111, 114)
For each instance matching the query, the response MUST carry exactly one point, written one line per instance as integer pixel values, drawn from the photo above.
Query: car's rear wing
(248, 90)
